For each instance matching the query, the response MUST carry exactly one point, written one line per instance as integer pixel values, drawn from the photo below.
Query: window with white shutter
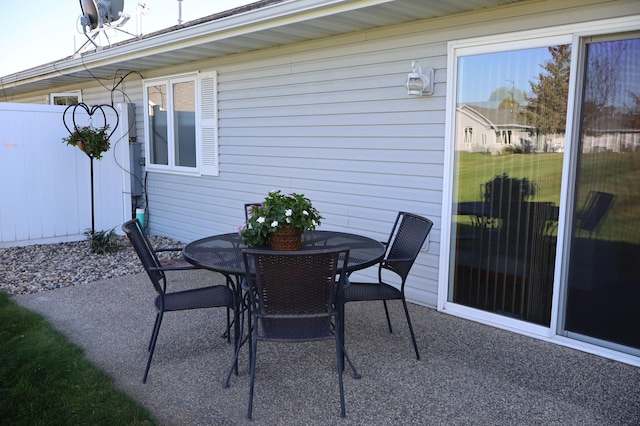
(181, 124)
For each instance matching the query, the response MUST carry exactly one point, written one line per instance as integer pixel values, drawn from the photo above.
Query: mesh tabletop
(223, 253)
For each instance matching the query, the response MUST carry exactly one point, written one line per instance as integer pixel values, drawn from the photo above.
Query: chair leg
(152, 344)
(413, 336)
(386, 311)
(237, 332)
(340, 359)
(354, 372)
(250, 330)
(153, 334)
(252, 370)
(228, 333)
(339, 332)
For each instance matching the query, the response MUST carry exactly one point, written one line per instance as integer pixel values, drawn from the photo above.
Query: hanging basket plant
(93, 141)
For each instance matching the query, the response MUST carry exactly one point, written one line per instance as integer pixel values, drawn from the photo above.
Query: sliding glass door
(510, 125)
(603, 293)
(514, 171)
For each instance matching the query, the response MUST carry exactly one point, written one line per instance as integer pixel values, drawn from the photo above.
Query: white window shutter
(209, 123)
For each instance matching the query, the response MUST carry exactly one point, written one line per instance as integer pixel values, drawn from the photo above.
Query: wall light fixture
(419, 83)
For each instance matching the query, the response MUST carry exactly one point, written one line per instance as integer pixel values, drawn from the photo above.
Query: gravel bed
(40, 267)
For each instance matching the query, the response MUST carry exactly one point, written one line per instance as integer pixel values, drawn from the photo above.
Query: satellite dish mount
(99, 16)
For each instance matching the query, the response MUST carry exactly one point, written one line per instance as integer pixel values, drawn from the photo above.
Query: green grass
(477, 169)
(46, 380)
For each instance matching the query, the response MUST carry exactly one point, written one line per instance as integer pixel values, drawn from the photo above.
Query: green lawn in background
(476, 169)
(46, 380)
(614, 172)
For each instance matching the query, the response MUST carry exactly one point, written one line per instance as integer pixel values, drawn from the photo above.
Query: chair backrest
(294, 293)
(405, 241)
(247, 210)
(595, 208)
(145, 252)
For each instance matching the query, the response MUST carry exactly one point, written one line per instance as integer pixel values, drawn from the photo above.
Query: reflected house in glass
(602, 137)
(490, 130)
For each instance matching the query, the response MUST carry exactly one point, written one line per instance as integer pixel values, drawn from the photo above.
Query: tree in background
(633, 115)
(546, 109)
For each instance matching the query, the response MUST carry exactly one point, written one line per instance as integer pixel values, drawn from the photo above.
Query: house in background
(308, 96)
(491, 130)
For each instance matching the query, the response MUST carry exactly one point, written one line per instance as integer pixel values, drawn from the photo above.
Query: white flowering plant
(278, 211)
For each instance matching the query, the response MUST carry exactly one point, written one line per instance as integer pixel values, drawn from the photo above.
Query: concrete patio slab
(469, 374)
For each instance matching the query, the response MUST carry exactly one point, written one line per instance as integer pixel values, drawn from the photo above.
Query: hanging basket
(287, 238)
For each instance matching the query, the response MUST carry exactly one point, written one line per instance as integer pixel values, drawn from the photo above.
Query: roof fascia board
(232, 26)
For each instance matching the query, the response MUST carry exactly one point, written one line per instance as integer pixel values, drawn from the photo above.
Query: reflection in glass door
(603, 293)
(511, 110)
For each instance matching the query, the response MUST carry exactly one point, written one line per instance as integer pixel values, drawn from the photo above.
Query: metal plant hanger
(76, 135)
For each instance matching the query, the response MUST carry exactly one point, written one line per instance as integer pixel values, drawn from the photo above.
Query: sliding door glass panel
(511, 110)
(603, 294)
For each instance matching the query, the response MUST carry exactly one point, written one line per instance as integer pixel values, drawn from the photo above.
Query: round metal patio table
(223, 253)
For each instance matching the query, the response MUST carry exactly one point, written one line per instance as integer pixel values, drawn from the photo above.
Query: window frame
(206, 128)
(74, 94)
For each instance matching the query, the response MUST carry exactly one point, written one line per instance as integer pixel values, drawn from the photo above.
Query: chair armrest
(168, 249)
(406, 259)
(174, 268)
(174, 263)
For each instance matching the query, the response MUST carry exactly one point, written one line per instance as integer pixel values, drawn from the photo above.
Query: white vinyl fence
(45, 194)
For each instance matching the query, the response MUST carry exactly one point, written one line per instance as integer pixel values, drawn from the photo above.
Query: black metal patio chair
(248, 208)
(204, 297)
(595, 208)
(407, 236)
(295, 296)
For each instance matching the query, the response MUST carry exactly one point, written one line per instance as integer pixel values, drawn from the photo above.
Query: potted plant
(93, 141)
(280, 221)
(509, 190)
(508, 198)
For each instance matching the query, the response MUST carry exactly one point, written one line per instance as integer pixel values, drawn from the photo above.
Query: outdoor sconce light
(419, 84)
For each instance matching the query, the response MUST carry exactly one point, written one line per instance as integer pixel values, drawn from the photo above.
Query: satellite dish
(89, 13)
(98, 15)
